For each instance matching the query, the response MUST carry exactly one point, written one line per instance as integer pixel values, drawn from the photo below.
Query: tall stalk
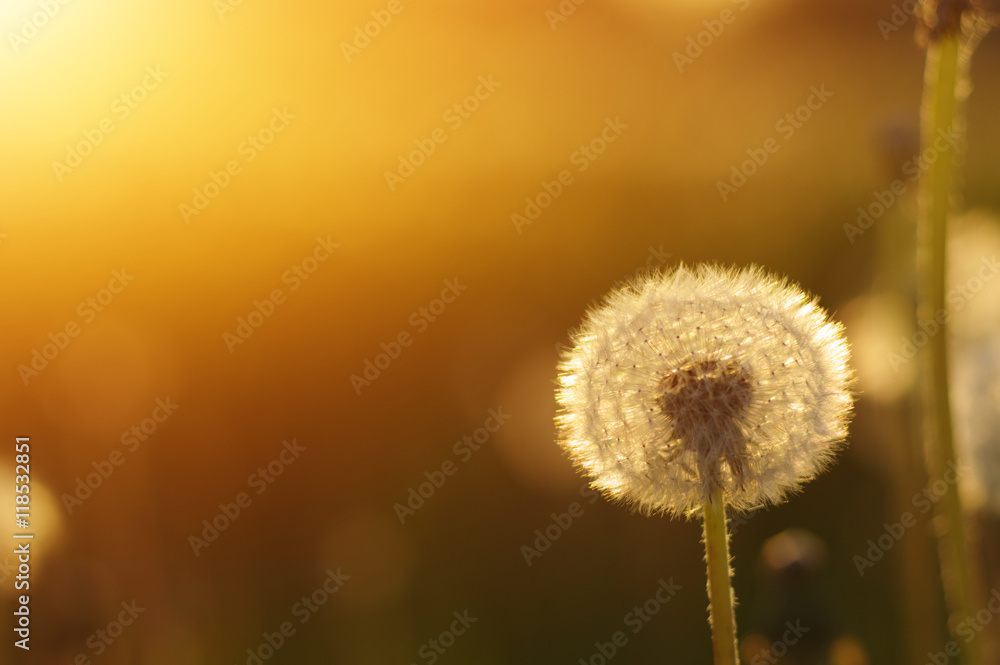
(720, 590)
(951, 32)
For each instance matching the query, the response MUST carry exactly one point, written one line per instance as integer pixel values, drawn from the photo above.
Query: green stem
(720, 590)
(941, 116)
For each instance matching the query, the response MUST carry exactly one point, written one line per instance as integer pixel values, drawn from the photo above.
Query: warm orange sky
(168, 169)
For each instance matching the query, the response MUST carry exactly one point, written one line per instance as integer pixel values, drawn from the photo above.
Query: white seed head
(703, 378)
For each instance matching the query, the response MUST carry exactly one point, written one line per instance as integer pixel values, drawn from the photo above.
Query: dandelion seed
(703, 379)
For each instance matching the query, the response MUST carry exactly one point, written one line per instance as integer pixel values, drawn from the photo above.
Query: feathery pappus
(700, 378)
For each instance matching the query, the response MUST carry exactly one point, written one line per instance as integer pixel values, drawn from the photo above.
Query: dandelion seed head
(704, 378)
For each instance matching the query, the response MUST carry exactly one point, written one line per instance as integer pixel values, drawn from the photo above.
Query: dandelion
(704, 387)
(704, 379)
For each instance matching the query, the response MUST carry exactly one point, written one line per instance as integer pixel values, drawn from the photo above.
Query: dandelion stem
(720, 590)
(947, 59)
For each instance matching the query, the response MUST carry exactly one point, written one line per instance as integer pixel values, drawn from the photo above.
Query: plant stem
(720, 590)
(940, 116)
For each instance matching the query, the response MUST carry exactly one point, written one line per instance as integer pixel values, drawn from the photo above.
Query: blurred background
(347, 263)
